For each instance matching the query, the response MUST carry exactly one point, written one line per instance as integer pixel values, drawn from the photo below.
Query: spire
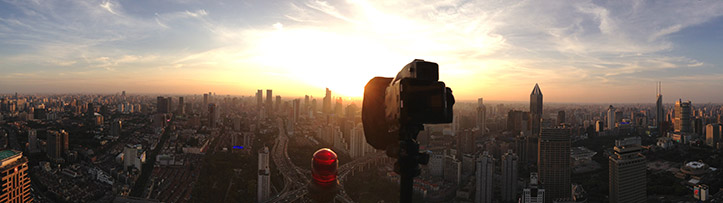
(536, 90)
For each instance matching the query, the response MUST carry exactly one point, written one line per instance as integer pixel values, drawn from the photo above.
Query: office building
(485, 178)
(535, 110)
(181, 106)
(627, 172)
(213, 115)
(712, 135)
(205, 101)
(554, 163)
(611, 118)
(560, 117)
(509, 176)
(269, 103)
(659, 109)
(15, 177)
(57, 143)
(682, 116)
(163, 105)
(33, 141)
(259, 98)
(481, 117)
(264, 177)
(326, 106)
(534, 193)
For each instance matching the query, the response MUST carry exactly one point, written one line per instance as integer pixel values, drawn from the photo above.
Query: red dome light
(323, 166)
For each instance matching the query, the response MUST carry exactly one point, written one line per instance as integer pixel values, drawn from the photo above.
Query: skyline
(581, 51)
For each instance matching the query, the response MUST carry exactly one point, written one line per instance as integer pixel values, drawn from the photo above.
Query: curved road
(296, 179)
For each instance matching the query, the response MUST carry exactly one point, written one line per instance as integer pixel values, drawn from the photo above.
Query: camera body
(414, 97)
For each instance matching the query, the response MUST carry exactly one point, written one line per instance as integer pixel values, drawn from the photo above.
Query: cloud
(480, 45)
(108, 7)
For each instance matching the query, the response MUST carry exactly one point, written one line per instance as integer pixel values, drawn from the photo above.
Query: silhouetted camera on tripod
(415, 96)
(394, 111)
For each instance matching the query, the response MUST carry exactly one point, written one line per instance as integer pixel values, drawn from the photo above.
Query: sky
(578, 51)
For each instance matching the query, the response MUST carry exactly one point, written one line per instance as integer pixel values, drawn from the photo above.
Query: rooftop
(4, 154)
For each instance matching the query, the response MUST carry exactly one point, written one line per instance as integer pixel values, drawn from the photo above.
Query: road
(296, 179)
(147, 169)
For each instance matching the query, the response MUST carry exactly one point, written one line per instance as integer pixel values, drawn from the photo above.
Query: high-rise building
(214, 115)
(269, 103)
(659, 111)
(627, 172)
(509, 176)
(535, 120)
(131, 158)
(560, 117)
(554, 163)
(534, 193)
(326, 108)
(205, 101)
(481, 116)
(181, 107)
(535, 110)
(264, 180)
(611, 117)
(485, 178)
(57, 142)
(259, 98)
(278, 104)
(296, 105)
(15, 177)
(682, 116)
(712, 135)
(357, 141)
(163, 105)
(33, 141)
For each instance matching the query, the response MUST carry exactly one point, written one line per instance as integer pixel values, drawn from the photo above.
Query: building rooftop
(4, 154)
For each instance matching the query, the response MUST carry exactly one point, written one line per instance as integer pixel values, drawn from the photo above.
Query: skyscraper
(33, 141)
(57, 142)
(296, 106)
(534, 122)
(264, 180)
(205, 101)
(611, 117)
(682, 116)
(485, 178)
(659, 111)
(554, 163)
(259, 98)
(269, 103)
(181, 106)
(535, 110)
(712, 135)
(534, 193)
(509, 176)
(163, 105)
(560, 117)
(15, 177)
(326, 106)
(627, 172)
(481, 116)
(212, 112)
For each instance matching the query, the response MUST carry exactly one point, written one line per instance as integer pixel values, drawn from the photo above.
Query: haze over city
(361, 101)
(581, 51)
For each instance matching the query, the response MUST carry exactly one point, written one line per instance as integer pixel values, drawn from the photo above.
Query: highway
(296, 179)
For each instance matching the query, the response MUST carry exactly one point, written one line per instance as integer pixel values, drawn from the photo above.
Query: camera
(414, 97)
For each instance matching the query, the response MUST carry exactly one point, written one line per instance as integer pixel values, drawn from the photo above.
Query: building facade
(485, 178)
(554, 163)
(15, 177)
(627, 172)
